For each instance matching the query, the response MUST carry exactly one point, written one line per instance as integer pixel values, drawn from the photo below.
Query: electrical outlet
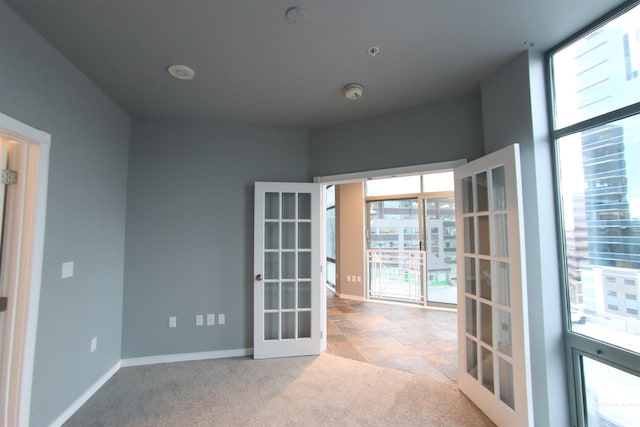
(172, 321)
(94, 344)
(199, 319)
(359, 279)
(211, 319)
(221, 319)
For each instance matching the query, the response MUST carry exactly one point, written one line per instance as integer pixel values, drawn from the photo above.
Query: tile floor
(409, 339)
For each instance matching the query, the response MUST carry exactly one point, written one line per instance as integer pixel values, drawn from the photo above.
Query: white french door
(287, 270)
(493, 349)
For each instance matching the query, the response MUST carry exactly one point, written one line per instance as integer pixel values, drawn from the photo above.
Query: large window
(331, 235)
(595, 88)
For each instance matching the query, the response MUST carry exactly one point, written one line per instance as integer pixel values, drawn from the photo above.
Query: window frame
(576, 345)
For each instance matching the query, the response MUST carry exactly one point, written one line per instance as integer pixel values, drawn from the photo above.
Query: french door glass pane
(288, 295)
(304, 206)
(472, 323)
(304, 324)
(271, 296)
(472, 358)
(481, 192)
(484, 235)
(304, 235)
(600, 183)
(498, 188)
(611, 395)
(271, 326)
(485, 279)
(487, 368)
(272, 235)
(288, 205)
(486, 324)
(467, 195)
(469, 235)
(288, 325)
(470, 273)
(304, 295)
(505, 373)
(271, 265)
(272, 205)
(500, 246)
(288, 235)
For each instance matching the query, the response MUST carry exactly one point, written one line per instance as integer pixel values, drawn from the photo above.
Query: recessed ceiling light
(181, 72)
(373, 50)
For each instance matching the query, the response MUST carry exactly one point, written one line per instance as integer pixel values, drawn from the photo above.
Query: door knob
(259, 277)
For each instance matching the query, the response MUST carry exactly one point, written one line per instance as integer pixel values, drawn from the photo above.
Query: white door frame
(19, 346)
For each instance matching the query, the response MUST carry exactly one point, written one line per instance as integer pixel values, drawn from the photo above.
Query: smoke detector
(353, 91)
(181, 72)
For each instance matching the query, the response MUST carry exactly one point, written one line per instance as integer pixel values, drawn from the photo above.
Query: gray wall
(441, 131)
(189, 246)
(85, 220)
(514, 110)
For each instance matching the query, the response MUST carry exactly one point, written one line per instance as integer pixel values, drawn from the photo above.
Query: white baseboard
(351, 297)
(64, 416)
(186, 357)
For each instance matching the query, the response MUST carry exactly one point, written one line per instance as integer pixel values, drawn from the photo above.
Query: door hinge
(9, 177)
(321, 334)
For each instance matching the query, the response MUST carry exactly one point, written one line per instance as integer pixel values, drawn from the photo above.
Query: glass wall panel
(601, 205)
(599, 72)
(438, 181)
(611, 395)
(393, 186)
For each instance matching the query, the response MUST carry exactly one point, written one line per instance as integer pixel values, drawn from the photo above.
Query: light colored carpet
(325, 390)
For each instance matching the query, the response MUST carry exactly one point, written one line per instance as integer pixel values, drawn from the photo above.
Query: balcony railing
(397, 275)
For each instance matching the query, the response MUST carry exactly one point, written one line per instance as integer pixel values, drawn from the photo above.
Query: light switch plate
(172, 321)
(199, 320)
(94, 344)
(67, 269)
(221, 319)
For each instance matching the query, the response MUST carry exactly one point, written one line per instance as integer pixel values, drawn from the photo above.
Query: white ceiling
(254, 66)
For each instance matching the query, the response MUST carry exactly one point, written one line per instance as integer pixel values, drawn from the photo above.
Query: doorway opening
(387, 238)
(25, 161)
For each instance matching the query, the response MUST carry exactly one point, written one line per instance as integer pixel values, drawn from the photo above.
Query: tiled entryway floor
(409, 339)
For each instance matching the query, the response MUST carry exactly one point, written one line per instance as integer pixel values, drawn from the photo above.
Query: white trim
(388, 173)
(29, 295)
(186, 357)
(67, 413)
